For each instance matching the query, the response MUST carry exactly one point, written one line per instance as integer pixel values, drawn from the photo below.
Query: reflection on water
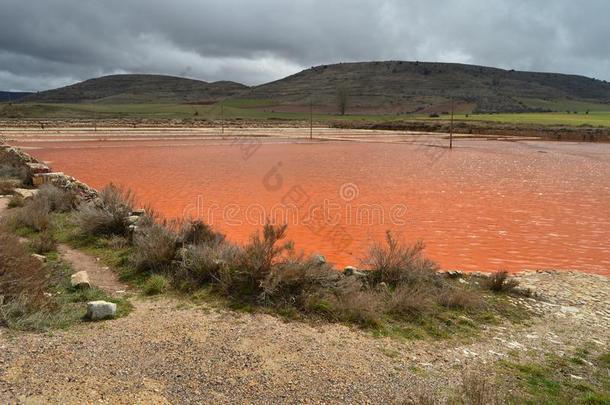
(485, 205)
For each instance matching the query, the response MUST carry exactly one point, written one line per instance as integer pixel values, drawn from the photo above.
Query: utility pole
(222, 120)
(310, 119)
(451, 126)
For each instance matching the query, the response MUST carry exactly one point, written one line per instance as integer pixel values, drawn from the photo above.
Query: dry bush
(478, 389)
(35, 215)
(206, 263)
(155, 248)
(365, 308)
(459, 298)
(12, 172)
(295, 280)
(395, 263)
(110, 218)
(408, 301)
(196, 232)
(257, 259)
(57, 199)
(501, 282)
(45, 242)
(21, 276)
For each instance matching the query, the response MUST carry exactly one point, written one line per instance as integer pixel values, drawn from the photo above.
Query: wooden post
(310, 119)
(451, 127)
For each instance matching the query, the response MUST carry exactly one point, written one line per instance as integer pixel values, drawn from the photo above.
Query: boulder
(98, 310)
(25, 193)
(80, 280)
(36, 168)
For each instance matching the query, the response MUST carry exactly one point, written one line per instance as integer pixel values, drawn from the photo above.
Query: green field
(580, 114)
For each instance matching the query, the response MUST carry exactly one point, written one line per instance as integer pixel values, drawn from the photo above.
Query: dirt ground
(172, 351)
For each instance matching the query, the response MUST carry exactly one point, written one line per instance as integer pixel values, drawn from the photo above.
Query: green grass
(594, 118)
(67, 305)
(599, 114)
(581, 378)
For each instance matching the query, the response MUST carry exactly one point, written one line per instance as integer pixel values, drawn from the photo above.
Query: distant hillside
(12, 95)
(118, 89)
(406, 87)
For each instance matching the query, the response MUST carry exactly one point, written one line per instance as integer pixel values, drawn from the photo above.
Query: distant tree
(342, 99)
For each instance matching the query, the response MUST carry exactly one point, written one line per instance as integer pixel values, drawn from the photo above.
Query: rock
(37, 168)
(42, 258)
(98, 310)
(80, 280)
(133, 219)
(454, 273)
(319, 259)
(569, 310)
(353, 271)
(25, 193)
(138, 213)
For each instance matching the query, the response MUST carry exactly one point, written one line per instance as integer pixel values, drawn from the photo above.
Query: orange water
(485, 205)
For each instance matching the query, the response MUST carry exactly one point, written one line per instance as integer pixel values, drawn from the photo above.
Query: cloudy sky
(49, 43)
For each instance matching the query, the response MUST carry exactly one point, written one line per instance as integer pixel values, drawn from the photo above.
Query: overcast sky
(50, 43)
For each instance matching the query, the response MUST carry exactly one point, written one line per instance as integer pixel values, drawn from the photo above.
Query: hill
(407, 87)
(8, 96)
(135, 88)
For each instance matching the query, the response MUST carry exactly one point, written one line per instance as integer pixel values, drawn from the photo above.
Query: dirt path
(100, 276)
(170, 351)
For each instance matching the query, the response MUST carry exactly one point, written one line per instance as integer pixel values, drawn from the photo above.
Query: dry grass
(23, 279)
(43, 243)
(155, 248)
(57, 199)
(501, 282)
(395, 263)
(34, 215)
(110, 216)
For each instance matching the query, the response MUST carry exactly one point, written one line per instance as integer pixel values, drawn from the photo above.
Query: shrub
(12, 172)
(459, 298)
(197, 232)
(364, 308)
(57, 199)
(45, 242)
(155, 248)
(408, 301)
(396, 263)
(202, 264)
(296, 280)
(256, 260)
(23, 279)
(501, 282)
(35, 215)
(110, 217)
(154, 285)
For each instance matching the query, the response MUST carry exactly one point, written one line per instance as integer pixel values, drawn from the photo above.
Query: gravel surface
(170, 351)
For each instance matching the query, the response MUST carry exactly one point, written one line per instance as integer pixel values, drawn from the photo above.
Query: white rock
(80, 280)
(569, 310)
(42, 258)
(98, 310)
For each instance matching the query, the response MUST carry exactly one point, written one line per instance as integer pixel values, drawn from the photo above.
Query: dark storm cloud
(48, 43)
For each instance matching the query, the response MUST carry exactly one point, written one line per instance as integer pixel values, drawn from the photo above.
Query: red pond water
(485, 205)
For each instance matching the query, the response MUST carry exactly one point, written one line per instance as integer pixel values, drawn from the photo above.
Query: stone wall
(39, 173)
